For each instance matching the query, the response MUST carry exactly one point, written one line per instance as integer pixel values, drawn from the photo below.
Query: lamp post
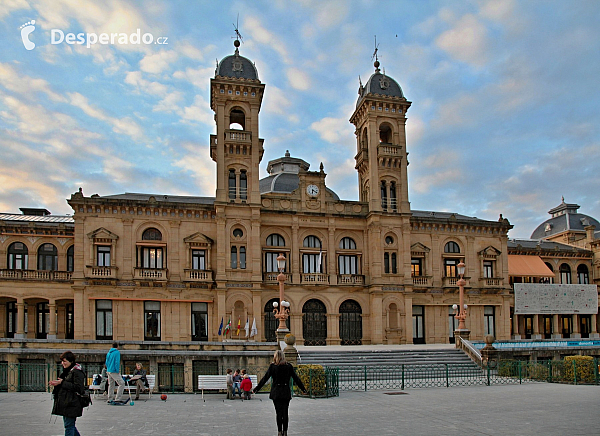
(461, 310)
(281, 309)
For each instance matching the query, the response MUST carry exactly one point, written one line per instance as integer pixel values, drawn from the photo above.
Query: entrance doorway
(418, 315)
(314, 323)
(547, 326)
(350, 323)
(528, 326)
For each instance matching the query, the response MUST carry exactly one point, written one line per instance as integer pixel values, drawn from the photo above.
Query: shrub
(313, 378)
(579, 369)
(537, 371)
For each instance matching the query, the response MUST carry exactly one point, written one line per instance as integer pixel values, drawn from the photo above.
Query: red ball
(163, 397)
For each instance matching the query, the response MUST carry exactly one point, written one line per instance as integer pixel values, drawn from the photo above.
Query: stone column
(20, 332)
(52, 318)
(188, 374)
(536, 327)
(576, 332)
(516, 333)
(594, 327)
(556, 327)
(408, 330)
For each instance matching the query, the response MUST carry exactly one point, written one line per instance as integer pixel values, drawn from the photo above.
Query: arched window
(237, 120)
(270, 322)
(243, 185)
(232, 185)
(47, 258)
(393, 201)
(312, 242)
(152, 234)
(549, 279)
(347, 244)
(582, 275)
(350, 323)
(384, 202)
(385, 134)
(17, 256)
(71, 258)
(314, 323)
(233, 257)
(275, 240)
(565, 274)
(451, 247)
(152, 257)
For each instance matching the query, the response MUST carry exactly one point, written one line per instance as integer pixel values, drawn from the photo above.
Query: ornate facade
(150, 267)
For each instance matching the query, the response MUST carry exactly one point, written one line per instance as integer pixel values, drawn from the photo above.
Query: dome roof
(564, 218)
(380, 84)
(284, 176)
(237, 66)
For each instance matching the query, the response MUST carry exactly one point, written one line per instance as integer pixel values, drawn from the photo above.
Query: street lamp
(461, 314)
(281, 309)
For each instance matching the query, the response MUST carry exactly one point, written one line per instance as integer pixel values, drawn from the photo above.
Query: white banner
(538, 298)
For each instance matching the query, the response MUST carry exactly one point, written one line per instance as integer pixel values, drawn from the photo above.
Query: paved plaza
(528, 409)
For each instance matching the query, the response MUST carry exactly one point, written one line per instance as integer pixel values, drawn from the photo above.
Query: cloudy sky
(504, 116)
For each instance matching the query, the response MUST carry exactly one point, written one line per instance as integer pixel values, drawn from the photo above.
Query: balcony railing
(103, 272)
(314, 278)
(150, 274)
(26, 274)
(271, 277)
(450, 282)
(351, 279)
(422, 281)
(491, 281)
(198, 275)
(238, 136)
(388, 150)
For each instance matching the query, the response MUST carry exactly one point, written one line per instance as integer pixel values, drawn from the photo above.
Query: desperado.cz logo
(57, 36)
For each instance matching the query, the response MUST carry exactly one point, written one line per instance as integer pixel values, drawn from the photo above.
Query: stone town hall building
(141, 267)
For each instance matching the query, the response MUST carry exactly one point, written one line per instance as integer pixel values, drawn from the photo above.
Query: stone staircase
(357, 357)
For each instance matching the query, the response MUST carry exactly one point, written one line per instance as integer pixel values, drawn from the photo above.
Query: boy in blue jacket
(113, 369)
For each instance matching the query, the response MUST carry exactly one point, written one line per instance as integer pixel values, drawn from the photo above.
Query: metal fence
(364, 378)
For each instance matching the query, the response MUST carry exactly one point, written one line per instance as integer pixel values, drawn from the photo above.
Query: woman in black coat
(281, 372)
(66, 401)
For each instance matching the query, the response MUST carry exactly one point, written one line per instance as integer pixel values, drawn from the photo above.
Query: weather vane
(236, 28)
(376, 50)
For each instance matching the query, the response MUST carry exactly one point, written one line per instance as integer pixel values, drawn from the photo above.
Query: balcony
(101, 272)
(150, 274)
(314, 279)
(492, 282)
(422, 281)
(198, 275)
(271, 277)
(351, 279)
(450, 282)
(238, 136)
(388, 150)
(25, 274)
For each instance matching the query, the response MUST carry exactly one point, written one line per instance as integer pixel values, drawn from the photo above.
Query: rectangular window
(311, 263)
(386, 263)
(489, 320)
(233, 257)
(347, 264)
(394, 264)
(450, 267)
(11, 319)
(104, 330)
(199, 259)
(199, 322)
(103, 255)
(452, 323)
(488, 270)
(416, 267)
(271, 262)
(152, 320)
(43, 320)
(152, 258)
(242, 257)
(69, 321)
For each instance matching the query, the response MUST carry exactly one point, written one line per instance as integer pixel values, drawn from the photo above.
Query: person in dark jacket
(280, 372)
(66, 401)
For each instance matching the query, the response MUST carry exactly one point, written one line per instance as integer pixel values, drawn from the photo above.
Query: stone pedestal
(489, 354)
(290, 352)
(463, 334)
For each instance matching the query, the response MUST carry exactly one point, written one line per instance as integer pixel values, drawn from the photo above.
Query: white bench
(151, 382)
(218, 382)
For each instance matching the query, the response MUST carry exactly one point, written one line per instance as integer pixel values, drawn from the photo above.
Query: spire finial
(376, 63)
(238, 35)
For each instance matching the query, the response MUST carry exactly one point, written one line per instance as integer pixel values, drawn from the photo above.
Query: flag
(227, 327)
(221, 327)
(319, 268)
(238, 329)
(247, 327)
(253, 332)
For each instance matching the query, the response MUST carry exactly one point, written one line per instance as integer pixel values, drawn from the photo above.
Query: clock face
(312, 190)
